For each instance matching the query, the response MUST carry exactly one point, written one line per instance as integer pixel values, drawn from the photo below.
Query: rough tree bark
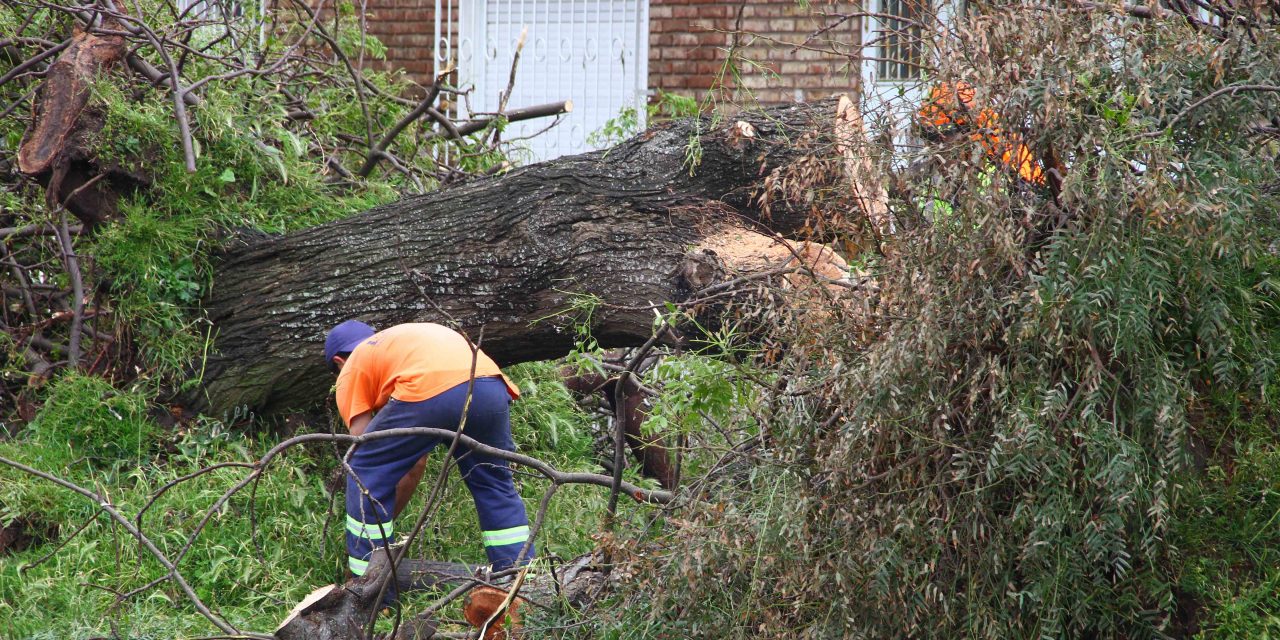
(514, 260)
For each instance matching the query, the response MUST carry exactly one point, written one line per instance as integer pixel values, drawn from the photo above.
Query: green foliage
(256, 170)
(1227, 524)
(62, 596)
(548, 415)
(665, 106)
(1009, 456)
(252, 580)
(695, 388)
(156, 256)
(1062, 425)
(91, 419)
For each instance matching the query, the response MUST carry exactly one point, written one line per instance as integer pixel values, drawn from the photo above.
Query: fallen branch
(463, 129)
(63, 97)
(387, 138)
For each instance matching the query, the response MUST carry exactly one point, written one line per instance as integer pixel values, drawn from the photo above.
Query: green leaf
(227, 175)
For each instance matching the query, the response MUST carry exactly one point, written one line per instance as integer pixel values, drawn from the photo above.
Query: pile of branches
(1009, 455)
(296, 83)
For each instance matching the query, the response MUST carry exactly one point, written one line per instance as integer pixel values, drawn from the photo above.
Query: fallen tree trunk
(515, 260)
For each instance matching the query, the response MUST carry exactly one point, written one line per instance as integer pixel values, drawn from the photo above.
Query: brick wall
(689, 41)
(406, 28)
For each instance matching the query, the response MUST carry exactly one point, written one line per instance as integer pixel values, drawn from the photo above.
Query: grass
(104, 439)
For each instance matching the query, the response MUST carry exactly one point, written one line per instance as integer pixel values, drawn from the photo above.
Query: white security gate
(593, 52)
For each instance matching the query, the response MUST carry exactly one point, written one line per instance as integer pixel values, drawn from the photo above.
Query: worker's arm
(360, 422)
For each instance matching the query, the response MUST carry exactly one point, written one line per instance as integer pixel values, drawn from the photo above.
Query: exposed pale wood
(866, 182)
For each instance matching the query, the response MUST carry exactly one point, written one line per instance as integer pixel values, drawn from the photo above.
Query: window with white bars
(593, 52)
(900, 49)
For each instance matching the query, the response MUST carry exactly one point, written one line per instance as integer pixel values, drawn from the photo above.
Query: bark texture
(515, 260)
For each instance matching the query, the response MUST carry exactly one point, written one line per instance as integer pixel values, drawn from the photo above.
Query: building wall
(690, 40)
(407, 29)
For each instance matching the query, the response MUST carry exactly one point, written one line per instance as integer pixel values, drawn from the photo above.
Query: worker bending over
(418, 375)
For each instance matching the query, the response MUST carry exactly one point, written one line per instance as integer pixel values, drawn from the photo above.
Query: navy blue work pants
(379, 465)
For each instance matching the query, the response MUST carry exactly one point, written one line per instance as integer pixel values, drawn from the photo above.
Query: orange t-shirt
(409, 362)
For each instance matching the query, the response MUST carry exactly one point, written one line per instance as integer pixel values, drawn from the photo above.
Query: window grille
(900, 51)
(593, 52)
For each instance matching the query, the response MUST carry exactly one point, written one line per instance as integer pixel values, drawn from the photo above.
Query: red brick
(708, 68)
(686, 39)
(664, 67)
(702, 53)
(700, 82)
(416, 67)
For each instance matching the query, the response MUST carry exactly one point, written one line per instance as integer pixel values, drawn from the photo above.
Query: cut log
(515, 260)
(493, 610)
(337, 612)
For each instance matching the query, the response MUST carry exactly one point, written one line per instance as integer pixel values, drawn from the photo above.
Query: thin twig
(77, 286)
(1230, 90)
(33, 61)
(619, 444)
(179, 103)
(409, 118)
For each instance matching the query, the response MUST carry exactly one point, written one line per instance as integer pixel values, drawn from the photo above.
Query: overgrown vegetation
(1063, 423)
(1057, 417)
(96, 436)
(274, 151)
(270, 158)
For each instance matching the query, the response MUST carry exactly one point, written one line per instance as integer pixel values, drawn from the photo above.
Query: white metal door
(593, 52)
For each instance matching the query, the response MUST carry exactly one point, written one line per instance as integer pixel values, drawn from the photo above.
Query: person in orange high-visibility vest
(950, 111)
(421, 375)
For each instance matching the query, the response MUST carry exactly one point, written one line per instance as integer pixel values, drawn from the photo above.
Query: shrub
(1010, 455)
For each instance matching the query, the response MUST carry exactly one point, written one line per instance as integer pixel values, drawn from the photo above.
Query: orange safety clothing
(409, 362)
(950, 109)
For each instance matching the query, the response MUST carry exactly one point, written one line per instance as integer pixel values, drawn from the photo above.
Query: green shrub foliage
(1011, 456)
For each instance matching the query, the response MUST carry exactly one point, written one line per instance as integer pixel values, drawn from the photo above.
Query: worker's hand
(360, 422)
